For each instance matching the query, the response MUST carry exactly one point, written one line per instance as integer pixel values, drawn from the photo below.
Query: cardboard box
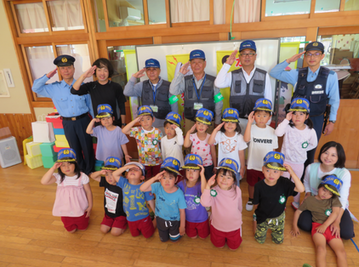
(337, 55)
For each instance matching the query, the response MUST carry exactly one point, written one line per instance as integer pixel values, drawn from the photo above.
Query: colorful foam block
(33, 161)
(47, 149)
(55, 120)
(59, 131)
(48, 162)
(62, 144)
(60, 137)
(33, 148)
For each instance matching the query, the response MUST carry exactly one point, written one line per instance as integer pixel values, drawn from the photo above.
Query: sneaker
(295, 205)
(249, 205)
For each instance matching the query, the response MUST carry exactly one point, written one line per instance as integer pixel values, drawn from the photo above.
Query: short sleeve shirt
(112, 199)
(168, 204)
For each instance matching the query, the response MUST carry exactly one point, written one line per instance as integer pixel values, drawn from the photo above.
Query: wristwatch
(332, 121)
(124, 124)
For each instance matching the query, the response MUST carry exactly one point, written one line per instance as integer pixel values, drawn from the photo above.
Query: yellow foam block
(33, 161)
(27, 140)
(61, 144)
(33, 148)
(60, 137)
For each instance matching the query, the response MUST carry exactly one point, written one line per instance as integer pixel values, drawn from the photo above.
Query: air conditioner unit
(129, 13)
(9, 152)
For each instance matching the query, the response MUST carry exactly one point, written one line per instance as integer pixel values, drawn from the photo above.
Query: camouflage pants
(277, 227)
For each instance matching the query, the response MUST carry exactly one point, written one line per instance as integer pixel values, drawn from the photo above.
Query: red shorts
(219, 238)
(202, 229)
(144, 226)
(152, 171)
(327, 234)
(72, 223)
(117, 222)
(254, 176)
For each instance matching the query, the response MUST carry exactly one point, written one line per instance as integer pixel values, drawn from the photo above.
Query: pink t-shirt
(201, 148)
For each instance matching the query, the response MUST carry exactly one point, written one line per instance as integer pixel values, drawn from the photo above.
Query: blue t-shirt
(134, 200)
(195, 212)
(168, 204)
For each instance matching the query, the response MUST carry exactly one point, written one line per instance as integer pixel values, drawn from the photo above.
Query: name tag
(318, 92)
(197, 106)
(318, 86)
(154, 108)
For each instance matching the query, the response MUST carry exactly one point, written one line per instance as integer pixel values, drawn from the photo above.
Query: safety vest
(314, 91)
(161, 99)
(190, 96)
(244, 95)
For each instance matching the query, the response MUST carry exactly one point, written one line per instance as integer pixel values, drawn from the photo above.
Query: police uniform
(319, 87)
(74, 111)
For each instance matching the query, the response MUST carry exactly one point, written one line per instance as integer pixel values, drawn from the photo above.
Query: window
(326, 6)
(287, 7)
(156, 11)
(65, 15)
(351, 5)
(125, 13)
(31, 18)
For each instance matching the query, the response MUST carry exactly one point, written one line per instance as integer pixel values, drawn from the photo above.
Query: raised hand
(159, 175)
(90, 72)
(184, 69)
(139, 73)
(57, 165)
(211, 181)
(51, 73)
(193, 128)
(218, 128)
(230, 60)
(289, 115)
(295, 57)
(251, 117)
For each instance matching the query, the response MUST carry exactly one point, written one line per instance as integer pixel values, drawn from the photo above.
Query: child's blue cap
(152, 63)
(174, 118)
(248, 44)
(300, 104)
(192, 161)
(66, 155)
(205, 116)
(104, 110)
(230, 114)
(228, 164)
(274, 160)
(171, 164)
(145, 110)
(332, 183)
(197, 54)
(112, 164)
(263, 104)
(139, 165)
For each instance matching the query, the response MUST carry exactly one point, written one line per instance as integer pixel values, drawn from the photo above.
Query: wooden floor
(31, 236)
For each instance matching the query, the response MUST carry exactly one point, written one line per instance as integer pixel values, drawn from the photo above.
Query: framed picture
(4, 91)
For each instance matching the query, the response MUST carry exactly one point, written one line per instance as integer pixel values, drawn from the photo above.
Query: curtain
(66, 15)
(31, 17)
(246, 11)
(189, 10)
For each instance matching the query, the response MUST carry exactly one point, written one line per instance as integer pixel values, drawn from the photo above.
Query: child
(192, 187)
(111, 141)
(225, 198)
(148, 140)
(270, 197)
(73, 202)
(115, 217)
(171, 144)
(325, 208)
(134, 201)
(262, 140)
(230, 141)
(170, 201)
(299, 137)
(199, 141)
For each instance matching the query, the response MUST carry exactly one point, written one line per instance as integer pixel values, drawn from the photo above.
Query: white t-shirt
(228, 147)
(72, 180)
(173, 147)
(263, 140)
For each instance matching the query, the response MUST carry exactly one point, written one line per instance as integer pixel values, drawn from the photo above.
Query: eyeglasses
(248, 55)
(313, 55)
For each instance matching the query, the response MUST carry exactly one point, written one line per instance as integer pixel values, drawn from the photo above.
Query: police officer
(317, 84)
(199, 90)
(73, 109)
(153, 92)
(248, 84)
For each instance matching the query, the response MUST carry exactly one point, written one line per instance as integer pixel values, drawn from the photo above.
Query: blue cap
(112, 164)
(332, 183)
(174, 118)
(248, 44)
(300, 104)
(315, 46)
(152, 63)
(66, 155)
(104, 110)
(197, 54)
(145, 110)
(230, 114)
(64, 60)
(192, 161)
(263, 104)
(205, 116)
(139, 165)
(274, 160)
(228, 164)
(171, 164)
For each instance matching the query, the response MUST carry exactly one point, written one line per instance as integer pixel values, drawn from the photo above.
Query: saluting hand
(90, 72)
(184, 69)
(295, 57)
(251, 117)
(51, 73)
(139, 73)
(230, 60)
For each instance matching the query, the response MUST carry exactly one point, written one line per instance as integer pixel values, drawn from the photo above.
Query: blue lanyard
(154, 89)
(195, 87)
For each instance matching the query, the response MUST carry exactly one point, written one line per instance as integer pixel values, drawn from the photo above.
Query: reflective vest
(244, 95)
(161, 100)
(190, 96)
(314, 91)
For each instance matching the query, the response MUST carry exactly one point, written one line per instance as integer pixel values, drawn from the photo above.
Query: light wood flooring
(31, 236)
